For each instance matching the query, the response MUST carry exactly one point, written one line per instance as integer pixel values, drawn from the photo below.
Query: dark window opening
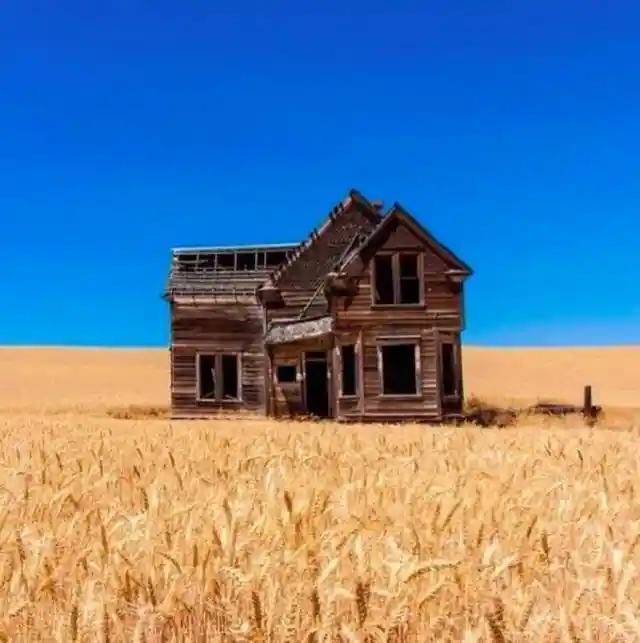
(321, 355)
(408, 266)
(316, 387)
(230, 377)
(397, 279)
(218, 377)
(186, 263)
(286, 373)
(275, 258)
(207, 262)
(349, 370)
(226, 261)
(384, 279)
(186, 266)
(449, 379)
(409, 279)
(399, 369)
(246, 261)
(207, 377)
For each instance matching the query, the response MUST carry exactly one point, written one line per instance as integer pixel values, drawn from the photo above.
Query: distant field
(58, 378)
(151, 530)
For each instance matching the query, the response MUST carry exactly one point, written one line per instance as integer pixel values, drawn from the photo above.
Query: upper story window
(397, 278)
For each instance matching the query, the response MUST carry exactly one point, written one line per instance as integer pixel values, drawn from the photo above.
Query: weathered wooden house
(361, 321)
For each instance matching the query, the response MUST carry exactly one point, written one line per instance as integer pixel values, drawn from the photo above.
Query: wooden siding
(401, 238)
(209, 328)
(442, 308)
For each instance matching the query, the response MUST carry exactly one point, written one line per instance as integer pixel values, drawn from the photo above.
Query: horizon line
(168, 345)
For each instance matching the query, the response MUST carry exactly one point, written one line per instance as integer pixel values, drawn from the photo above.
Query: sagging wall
(216, 328)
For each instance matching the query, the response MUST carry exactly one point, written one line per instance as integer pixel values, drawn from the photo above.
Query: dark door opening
(316, 384)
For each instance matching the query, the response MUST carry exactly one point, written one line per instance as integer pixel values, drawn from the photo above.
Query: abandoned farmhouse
(361, 321)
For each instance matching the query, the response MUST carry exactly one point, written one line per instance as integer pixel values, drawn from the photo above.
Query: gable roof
(399, 214)
(353, 198)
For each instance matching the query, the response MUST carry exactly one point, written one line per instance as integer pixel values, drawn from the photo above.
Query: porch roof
(299, 330)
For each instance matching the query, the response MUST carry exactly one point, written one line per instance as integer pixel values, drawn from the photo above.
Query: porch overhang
(296, 331)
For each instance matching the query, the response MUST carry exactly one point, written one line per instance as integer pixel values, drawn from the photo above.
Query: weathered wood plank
(216, 328)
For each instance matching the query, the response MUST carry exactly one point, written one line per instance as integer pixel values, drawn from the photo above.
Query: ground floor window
(399, 366)
(218, 377)
(286, 373)
(348, 373)
(449, 368)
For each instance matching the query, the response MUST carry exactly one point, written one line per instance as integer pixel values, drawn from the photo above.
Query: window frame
(452, 339)
(355, 342)
(411, 340)
(396, 279)
(219, 377)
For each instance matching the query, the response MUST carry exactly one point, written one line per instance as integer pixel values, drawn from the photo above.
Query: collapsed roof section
(224, 270)
(312, 259)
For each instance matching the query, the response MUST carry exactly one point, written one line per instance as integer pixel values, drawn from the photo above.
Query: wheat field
(247, 530)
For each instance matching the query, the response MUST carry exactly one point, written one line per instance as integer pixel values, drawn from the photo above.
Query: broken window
(207, 377)
(226, 261)
(399, 369)
(274, 258)
(397, 278)
(448, 369)
(230, 372)
(286, 373)
(348, 353)
(218, 377)
(260, 260)
(206, 261)
(384, 279)
(185, 262)
(246, 261)
(409, 279)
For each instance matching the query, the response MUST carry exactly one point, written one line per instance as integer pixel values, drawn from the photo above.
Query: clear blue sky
(511, 129)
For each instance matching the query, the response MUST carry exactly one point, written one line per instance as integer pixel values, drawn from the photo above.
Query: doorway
(316, 385)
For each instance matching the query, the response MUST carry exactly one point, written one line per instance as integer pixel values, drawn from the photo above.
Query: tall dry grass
(151, 530)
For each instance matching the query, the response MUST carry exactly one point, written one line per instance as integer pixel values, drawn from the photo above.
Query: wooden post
(588, 400)
(588, 410)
